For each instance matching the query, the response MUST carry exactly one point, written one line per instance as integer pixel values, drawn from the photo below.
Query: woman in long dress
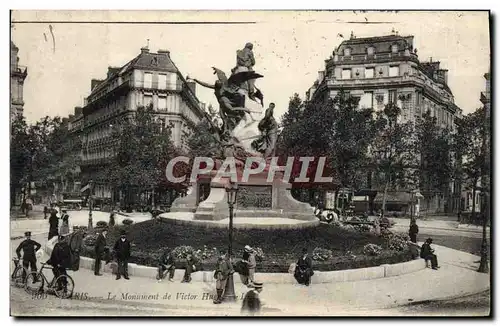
(65, 224)
(304, 271)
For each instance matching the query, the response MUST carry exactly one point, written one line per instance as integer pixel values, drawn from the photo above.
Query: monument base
(257, 198)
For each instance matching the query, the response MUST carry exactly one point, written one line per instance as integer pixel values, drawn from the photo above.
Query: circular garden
(332, 247)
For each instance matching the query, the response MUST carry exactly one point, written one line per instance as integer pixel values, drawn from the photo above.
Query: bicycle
(19, 274)
(64, 291)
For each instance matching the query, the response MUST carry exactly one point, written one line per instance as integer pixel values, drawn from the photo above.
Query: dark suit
(100, 245)
(29, 248)
(167, 263)
(304, 271)
(427, 253)
(60, 259)
(251, 303)
(122, 253)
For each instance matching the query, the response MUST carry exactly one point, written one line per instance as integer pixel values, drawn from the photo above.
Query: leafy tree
(434, 145)
(204, 141)
(143, 149)
(391, 150)
(20, 156)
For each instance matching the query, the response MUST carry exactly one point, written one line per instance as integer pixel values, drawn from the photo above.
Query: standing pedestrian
(112, 218)
(222, 270)
(122, 252)
(45, 212)
(413, 231)
(29, 248)
(100, 247)
(65, 222)
(304, 271)
(53, 224)
(251, 302)
(249, 259)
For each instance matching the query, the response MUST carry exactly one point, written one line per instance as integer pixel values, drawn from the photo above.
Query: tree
(434, 146)
(204, 141)
(143, 150)
(391, 150)
(20, 156)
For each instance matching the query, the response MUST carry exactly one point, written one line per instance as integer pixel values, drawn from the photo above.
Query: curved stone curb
(349, 275)
(243, 226)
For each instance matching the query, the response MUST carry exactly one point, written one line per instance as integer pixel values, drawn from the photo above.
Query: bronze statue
(245, 61)
(268, 127)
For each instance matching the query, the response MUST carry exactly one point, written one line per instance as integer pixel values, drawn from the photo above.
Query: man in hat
(167, 264)
(222, 270)
(122, 252)
(29, 248)
(53, 224)
(250, 261)
(60, 259)
(251, 302)
(427, 253)
(100, 247)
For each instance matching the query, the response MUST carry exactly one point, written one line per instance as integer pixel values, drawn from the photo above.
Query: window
(369, 72)
(172, 80)
(148, 80)
(393, 96)
(347, 52)
(394, 48)
(346, 74)
(148, 100)
(370, 50)
(162, 103)
(162, 81)
(393, 71)
(367, 100)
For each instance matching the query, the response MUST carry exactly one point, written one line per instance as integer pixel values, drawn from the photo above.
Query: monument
(247, 130)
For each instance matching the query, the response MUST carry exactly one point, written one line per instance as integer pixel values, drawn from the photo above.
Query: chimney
(112, 70)
(192, 86)
(94, 83)
(78, 110)
(164, 52)
(144, 50)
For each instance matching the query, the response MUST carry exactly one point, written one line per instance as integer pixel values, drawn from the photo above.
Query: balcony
(375, 58)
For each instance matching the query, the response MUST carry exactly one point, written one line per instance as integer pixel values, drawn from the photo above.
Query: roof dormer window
(347, 51)
(370, 50)
(394, 48)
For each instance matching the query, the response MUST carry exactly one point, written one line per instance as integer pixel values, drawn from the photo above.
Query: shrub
(372, 249)
(321, 254)
(90, 240)
(127, 221)
(398, 242)
(362, 228)
(181, 252)
(79, 227)
(206, 252)
(101, 224)
(259, 253)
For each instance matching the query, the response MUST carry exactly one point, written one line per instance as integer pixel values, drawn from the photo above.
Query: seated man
(60, 259)
(427, 253)
(167, 263)
(304, 271)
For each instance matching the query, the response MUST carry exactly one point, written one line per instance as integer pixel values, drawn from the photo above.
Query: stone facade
(148, 79)
(18, 74)
(386, 69)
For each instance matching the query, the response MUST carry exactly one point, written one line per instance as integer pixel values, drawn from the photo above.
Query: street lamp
(231, 191)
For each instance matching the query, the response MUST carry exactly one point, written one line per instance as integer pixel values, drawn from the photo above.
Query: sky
(290, 48)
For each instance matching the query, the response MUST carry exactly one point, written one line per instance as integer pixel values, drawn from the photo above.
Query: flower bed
(332, 247)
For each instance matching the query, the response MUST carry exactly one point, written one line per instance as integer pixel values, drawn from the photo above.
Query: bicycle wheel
(34, 283)
(64, 286)
(19, 276)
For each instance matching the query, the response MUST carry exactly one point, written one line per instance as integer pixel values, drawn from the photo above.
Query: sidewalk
(456, 278)
(404, 223)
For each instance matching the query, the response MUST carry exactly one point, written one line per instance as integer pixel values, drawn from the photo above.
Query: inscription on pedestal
(255, 197)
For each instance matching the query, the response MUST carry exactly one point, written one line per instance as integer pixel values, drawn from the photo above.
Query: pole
(229, 291)
(91, 203)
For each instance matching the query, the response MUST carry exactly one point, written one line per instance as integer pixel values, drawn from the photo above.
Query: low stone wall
(348, 275)
(209, 224)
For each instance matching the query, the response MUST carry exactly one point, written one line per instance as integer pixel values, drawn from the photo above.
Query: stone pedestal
(256, 198)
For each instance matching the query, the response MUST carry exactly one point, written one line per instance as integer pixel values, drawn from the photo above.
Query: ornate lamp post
(232, 191)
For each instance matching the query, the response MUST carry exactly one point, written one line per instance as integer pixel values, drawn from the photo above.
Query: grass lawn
(280, 247)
